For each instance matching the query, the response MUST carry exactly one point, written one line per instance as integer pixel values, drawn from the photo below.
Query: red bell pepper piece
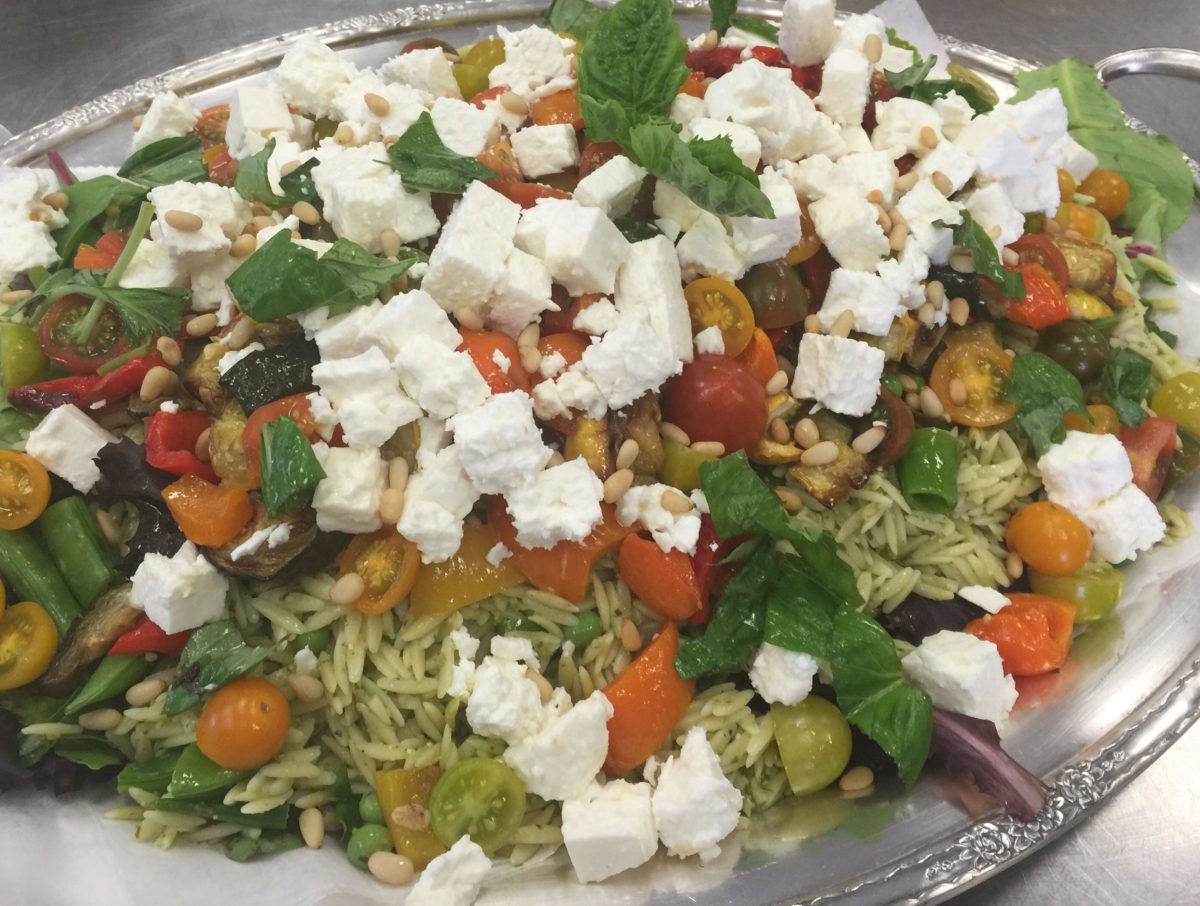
(103, 255)
(711, 574)
(1151, 447)
(148, 637)
(122, 381)
(49, 395)
(171, 443)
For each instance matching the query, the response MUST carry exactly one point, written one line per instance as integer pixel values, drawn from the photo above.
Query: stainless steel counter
(1139, 847)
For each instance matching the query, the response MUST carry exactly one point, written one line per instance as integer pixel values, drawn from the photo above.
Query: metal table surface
(1138, 847)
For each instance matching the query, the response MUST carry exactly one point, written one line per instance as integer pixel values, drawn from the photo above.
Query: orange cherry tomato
(482, 347)
(557, 108)
(388, 563)
(295, 407)
(759, 356)
(28, 640)
(211, 124)
(1067, 184)
(664, 580)
(1032, 634)
(466, 578)
(713, 302)
(1104, 420)
(694, 85)
(502, 160)
(1044, 303)
(244, 724)
(24, 489)
(1110, 190)
(810, 242)
(526, 194)
(208, 514)
(649, 698)
(984, 369)
(1049, 538)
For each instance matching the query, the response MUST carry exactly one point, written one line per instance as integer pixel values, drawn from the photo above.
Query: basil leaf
(345, 803)
(906, 80)
(970, 236)
(289, 467)
(89, 199)
(214, 655)
(153, 776)
(350, 275)
(93, 752)
(1125, 382)
(166, 161)
(424, 162)
(1044, 392)
(1152, 325)
(800, 612)
(572, 17)
(721, 12)
(914, 82)
(253, 183)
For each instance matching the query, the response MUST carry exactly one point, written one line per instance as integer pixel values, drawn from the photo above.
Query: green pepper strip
(929, 471)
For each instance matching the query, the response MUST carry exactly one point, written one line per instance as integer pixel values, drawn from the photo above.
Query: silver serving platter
(1130, 689)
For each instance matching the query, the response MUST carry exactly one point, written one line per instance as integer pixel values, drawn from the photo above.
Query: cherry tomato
(759, 356)
(211, 124)
(1044, 303)
(1079, 346)
(502, 160)
(388, 563)
(107, 339)
(814, 743)
(694, 85)
(1049, 538)
(296, 407)
(24, 489)
(1110, 191)
(817, 270)
(1085, 221)
(472, 79)
(429, 43)
(1037, 248)
(717, 398)
(558, 108)
(713, 302)
(482, 347)
(222, 168)
(1032, 634)
(984, 368)
(1104, 420)
(810, 242)
(1151, 448)
(595, 154)
(244, 724)
(1178, 399)
(563, 320)
(28, 640)
(777, 295)
(481, 99)
(1067, 184)
(488, 53)
(526, 194)
(479, 798)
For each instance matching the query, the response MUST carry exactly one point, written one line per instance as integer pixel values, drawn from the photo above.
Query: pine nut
(927, 137)
(873, 48)
(1052, 226)
(312, 827)
(631, 639)
(1014, 565)
(870, 439)
(157, 382)
(258, 209)
(377, 104)
(108, 526)
(514, 103)
(307, 689)
(344, 134)
(201, 325)
(674, 502)
(958, 391)
(812, 324)
(390, 242)
(390, 868)
(713, 448)
(56, 200)
(909, 384)
(897, 217)
(531, 358)
(41, 216)
(820, 454)
(875, 196)
(855, 779)
(711, 38)
(926, 313)
(780, 433)
(203, 450)
(13, 296)
(942, 183)
(290, 167)
(778, 383)
(960, 310)
(261, 222)
(994, 232)
(935, 293)
(617, 484)
(348, 589)
(883, 219)
(184, 221)
(673, 432)
(842, 324)
(1010, 258)
(628, 453)
(906, 182)
(898, 237)
(791, 500)
(806, 433)
(391, 505)
(243, 246)
(306, 213)
(241, 333)
(398, 471)
(556, 459)
(138, 120)
(141, 694)
(169, 350)
(529, 336)
(468, 316)
(545, 690)
(913, 400)
(930, 404)
(101, 720)
(963, 264)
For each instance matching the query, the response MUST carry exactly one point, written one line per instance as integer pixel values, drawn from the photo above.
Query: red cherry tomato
(717, 398)
(482, 347)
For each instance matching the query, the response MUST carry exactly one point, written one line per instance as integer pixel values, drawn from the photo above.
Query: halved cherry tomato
(103, 255)
(28, 640)
(984, 368)
(694, 85)
(1151, 447)
(208, 514)
(466, 578)
(1104, 420)
(1032, 634)
(716, 397)
(222, 168)
(1044, 303)
(107, 340)
(408, 790)
(664, 580)
(597, 154)
(1087, 222)
(295, 407)
(810, 242)
(565, 569)
(1049, 538)
(244, 724)
(211, 125)
(491, 94)
(482, 347)
(1037, 248)
(24, 489)
(769, 56)
(1110, 190)
(817, 270)
(526, 194)
(649, 698)
(1067, 184)
(759, 356)
(388, 563)
(571, 346)
(563, 320)
(558, 108)
(502, 160)
(713, 302)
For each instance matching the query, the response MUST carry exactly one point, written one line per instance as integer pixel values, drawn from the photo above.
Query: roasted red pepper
(122, 381)
(1151, 447)
(711, 574)
(103, 255)
(713, 62)
(171, 443)
(85, 390)
(148, 637)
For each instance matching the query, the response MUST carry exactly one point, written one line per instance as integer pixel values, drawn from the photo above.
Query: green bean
(196, 776)
(71, 535)
(34, 577)
(929, 471)
(111, 678)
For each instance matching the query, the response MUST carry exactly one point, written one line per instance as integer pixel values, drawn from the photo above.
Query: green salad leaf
(1044, 392)
(290, 470)
(214, 655)
(153, 776)
(572, 17)
(970, 236)
(425, 163)
(15, 426)
(1125, 382)
(253, 183)
(88, 200)
(166, 161)
(914, 82)
(90, 750)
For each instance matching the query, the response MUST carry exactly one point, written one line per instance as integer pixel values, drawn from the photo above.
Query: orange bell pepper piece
(208, 514)
(1032, 634)
(664, 580)
(467, 577)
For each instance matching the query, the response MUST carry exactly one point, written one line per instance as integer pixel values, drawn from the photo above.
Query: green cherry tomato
(21, 358)
(1179, 400)
(814, 743)
(1094, 590)
(471, 79)
(776, 293)
(486, 54)
(1078, 346)
(480, 798)
(370, 809)
(1186, 460)
(365, 840)
(585, 630)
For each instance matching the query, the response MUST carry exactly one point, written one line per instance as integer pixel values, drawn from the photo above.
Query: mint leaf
(166, 161)
(1044, 392)
(973, 238)
(425, 163)
(253, 184)
(1124, 383)
(574, 17)
(722, 15)
(290, 470)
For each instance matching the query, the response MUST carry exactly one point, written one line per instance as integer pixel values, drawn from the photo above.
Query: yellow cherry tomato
(1110, 191)
(713, 302)
(1083, 220)
(388, 563)
(1067, 184)
(28, 640)
(1049, 538)
(1104, 420)
(24, 489)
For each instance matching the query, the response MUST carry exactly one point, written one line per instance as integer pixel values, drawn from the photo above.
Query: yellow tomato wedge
(28, 640)
(713, 302)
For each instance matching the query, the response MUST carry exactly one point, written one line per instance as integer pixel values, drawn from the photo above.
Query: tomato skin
(713, 62)
(28, 640)
(759, 356)
(208, 514)
(502, 160)
(1110, 190)
(222, 167)
(985, 368)
(694, 85)
(482, 346)
(409, 788)
(491, 94)
(598, 153)
(1179, 400)
(1049, 538)
(716, 397)
(244, 724)
(664, 580)
(24, 489)
(1037, 248)
(563, 320)
(211, 125)
(557, 109)
(103, 255)
(711, 573)
(388, 563)
(1151, 447)
(1044, 303)
(1032, 634)
(526, 194)
(818, 268)
(1104, 420)
(60, 349)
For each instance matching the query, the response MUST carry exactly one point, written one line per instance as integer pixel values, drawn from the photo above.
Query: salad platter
(1130, 688)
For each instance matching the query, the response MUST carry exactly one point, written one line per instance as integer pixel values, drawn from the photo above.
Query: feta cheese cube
(405, 104)
(208, 282)
(746, 144)
(900, 123)
(453, 878)
(695, 806)
(181, 592)
(906, 275)
(814, 176)
(442, 381)
(846, 222)
(845, 84)
(1040, 120)
(366, 395)
(536, 62)
(710, 341)
(762, 239)
(1035, 191)
(26, 223)
(613, 186)
(469, 259)
(998, 150)
(856, 139)
(310, 76)
(707, 249)
(437, 499)
(231, 358)
(675, 212)
(345, 335)
(649, 283)
(462, 674)
(839, 373)
(857, 27)
(597, 319)
(505, 704)
(579, 245)
(364, 196)
(499, 443)
(347, 498)
(609, 829)
(768, 101)
(255, 112)
(783, 676)
(523, 294)
(561, 503)
(563, 758)
(169, 116)
(957, 165)
(989, 599)
(151, 268)
(686, 108)
(224, 213)
(410, 317)
(497, 554)
(955, 113)
(572, 391)
(67, 442)
(542, 150)
(1073, 157)
(992, 210)
(670, 531)
(1084, 470)
(923, 208)
(629, 360)
(1124, 524)
(873, 301)
(963, 674)
(871, 171)
(426, 70)
(807, 30)
(462, 127)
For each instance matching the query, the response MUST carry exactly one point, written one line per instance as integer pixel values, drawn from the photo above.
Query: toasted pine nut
(468, 316)
(169, 350)
(531, 358)
(312, 827)
(184, 221)
(875, 196)
(855, 779)
(926, 313)
(307, 689)
(344, 134)
(514, 103)
(13, 296)
(201, 325)
(101, 720)
(713, 448)
(529, 336)
(842, 324)
(898, 237)
(545, 690)
(942, 183)
(711, 38)
(556, 459)
(671, 431)
(869, 439)
(138, 120)
(1014, 565)
(907, 181)
(141, 694)
(780, 432)
(963, 263)
(935, 293)
(243, 246)
(305, 211)
(203, 450)
(391, 505)
(241, 333)
(960, 310)
(631, 639)
(1009, 257)
(390, 868)
(806, 433)
(261, 222)
(958, 391)
(348, 589)
(909, 384)
(873, 48)
(791, 500)
(674, 502)
(617, 484)
(820, 454)
(812, 324)
(157, 382)
(290, 167)
(398, 471)
(628, 453)
(778, 383)
(931, 405)
(377, 104)
(927, 137)
(56, 200)
(108, 526)
(913, 399)
(40, 216)
(390, 242)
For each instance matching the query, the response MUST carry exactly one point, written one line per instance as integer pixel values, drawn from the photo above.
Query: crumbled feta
(1124, 524)
(410, 317)
(762, 239)
(745, 141)
(251, 545)
(612, 187)
(579, 245)
(453, 878)
(807, 30)
(1084, 470)
(649, 283)
(1074, 158)
(223, 211)
(462, 674)
(839, 373)
(443, 382)
(950, 160)
(169, 116)
(989, 599)
(499, 443)
(597, 319)
(255, 113)
(563, 758)
(524, 292)
(628, 361)
(707, 249)
(305, 662)
(991, 209)
(504, 703)
(845, 84)
(871, 171)
(67, 442)
(344, 335)
(674, 211)
(347, 498)
(208, 281)
(497, 554)
(310, 76)
(923, 208)
(857, 27)
(846, 222)
(670, 531)
(783, 676)
(515, 648)
(552, 365)
(426, 70)
(469, 259)
(609, 829)
(955, 112)
(462, 127)
(873, 301)
(561, 503)
(536, 62)
(151, 267)
(687, 107)
(573, 390)
(710, 341)
(181, 592)
(542, 150)
(405, 104)
(365, 393)
(901, 122)
(816, 175)
(167, 406)
(25, 223)
(437, 499)
(695, 806)
(963, 674)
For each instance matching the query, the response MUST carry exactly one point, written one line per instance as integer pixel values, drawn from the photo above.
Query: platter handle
(1172, 61)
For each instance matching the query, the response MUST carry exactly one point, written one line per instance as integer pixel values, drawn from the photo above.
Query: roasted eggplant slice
(832, 483)
(1093, 268)
(265, 562)
(589, 440)
(641, 422)
(226, 450)
(204, 381)
(89, 640)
